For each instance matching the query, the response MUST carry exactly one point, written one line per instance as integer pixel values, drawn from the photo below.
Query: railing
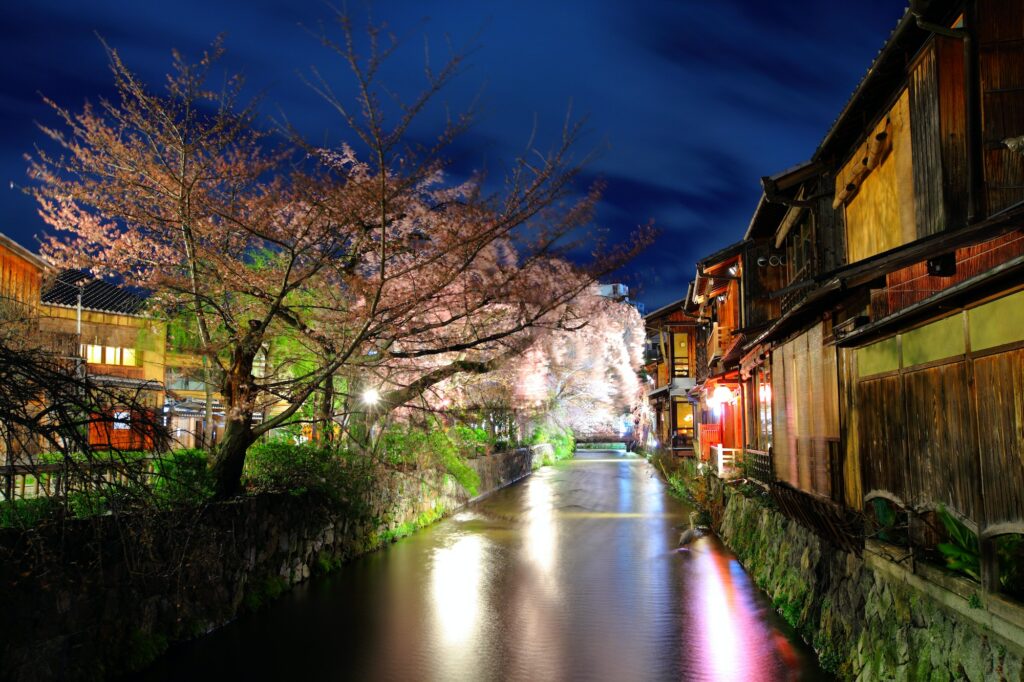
(725, 459)
(709, 435)
(27, 481)
(758, 465)
(714, 345)
(799, 287)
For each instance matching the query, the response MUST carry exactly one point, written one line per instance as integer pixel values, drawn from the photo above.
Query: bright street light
(371, 396)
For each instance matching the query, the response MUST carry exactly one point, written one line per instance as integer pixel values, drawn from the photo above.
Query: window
(96, 354)
(93, 354)
(680, 355)
(122, 421)
(683, 436)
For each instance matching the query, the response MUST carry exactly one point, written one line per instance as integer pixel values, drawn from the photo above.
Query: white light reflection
(456, 579)
(541, 533)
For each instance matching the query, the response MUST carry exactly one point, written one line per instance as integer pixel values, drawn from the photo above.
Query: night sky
(688, 103)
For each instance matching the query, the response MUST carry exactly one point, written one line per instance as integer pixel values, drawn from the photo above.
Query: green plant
(26, 513)
(472, 441)
(562, 440)
(974, 601)
(962, 553)
(182, 477)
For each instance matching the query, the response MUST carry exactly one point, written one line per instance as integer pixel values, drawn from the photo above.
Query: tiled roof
(96, 294)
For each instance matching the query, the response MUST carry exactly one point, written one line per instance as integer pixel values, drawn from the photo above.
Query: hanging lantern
(720, 396)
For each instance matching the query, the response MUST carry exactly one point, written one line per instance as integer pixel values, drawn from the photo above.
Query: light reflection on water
(571, 575)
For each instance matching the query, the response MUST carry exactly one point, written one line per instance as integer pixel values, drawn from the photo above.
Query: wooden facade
(671, 368)
(877, 322)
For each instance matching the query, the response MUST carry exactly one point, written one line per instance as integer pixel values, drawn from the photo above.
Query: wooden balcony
(715, 344)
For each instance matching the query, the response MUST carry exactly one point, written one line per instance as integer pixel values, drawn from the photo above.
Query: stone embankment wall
(873, 617)
(97, 597)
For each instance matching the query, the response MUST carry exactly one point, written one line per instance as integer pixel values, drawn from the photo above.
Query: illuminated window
(680, 355)
(122, 421)
(683, 436)
(93, 354)
(109, 355)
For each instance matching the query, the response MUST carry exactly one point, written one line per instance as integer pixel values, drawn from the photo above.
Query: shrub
(561, 439)
(427, 446)
(27, 513)
(182, 477)
(283, 466)
(471, 441)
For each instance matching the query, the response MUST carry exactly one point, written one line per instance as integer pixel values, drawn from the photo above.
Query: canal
(572, 574)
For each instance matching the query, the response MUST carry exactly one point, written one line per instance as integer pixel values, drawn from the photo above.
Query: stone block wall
(872, 617)
(96, 597)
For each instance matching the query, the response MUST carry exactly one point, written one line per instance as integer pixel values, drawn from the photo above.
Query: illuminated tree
(375, 263)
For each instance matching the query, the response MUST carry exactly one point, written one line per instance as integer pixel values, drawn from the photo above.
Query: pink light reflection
(736, 642)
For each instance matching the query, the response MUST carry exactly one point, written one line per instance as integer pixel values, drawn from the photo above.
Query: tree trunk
(239, 392)
(229, 457)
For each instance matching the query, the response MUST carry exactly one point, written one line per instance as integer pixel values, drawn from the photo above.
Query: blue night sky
(688, 102)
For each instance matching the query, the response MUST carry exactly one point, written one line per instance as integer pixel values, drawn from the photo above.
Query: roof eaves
(22, 252)
(905, 27)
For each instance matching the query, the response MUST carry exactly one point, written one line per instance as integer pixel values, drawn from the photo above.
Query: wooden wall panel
(1000, 414)
(949, 54)
(880, 205)
(881, 427)
(926, 140)
(1001, 67)
(941, 439)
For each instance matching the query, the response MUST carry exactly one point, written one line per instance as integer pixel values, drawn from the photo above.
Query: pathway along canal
(571, 574)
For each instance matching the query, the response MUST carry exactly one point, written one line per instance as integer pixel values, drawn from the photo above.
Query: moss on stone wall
(864, 624)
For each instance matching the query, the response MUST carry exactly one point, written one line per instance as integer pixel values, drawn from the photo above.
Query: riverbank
(872, 616)
(96, 597)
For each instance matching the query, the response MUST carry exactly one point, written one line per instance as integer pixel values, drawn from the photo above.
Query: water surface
(572, 574)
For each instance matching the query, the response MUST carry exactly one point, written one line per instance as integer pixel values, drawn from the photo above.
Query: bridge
(604, 437)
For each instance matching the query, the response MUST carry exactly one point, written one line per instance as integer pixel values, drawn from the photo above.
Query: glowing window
(128, 357)
(93, 354)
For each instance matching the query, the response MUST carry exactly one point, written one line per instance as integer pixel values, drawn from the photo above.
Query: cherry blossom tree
(374, 263)
(581, 375)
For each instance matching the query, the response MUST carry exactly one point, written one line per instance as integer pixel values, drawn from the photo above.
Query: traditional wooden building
(873, 315)
(671, 364)
(119, 348)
